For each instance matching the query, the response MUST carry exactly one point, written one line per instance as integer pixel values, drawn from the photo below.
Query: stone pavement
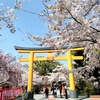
(41, 97)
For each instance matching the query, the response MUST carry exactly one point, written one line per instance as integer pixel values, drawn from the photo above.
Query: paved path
(41, 97)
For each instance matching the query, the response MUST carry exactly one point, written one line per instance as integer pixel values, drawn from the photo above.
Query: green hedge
(86, 88)
(37, 89)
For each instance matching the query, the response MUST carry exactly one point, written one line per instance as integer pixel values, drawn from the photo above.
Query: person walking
(66, 95)
(60, 91)
(52, 89)
(46, 92)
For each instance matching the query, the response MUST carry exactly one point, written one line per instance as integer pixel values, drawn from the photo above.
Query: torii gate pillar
(73, 92)
(30, 72)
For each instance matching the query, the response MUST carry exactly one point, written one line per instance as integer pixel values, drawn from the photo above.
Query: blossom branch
(73, 16)
(91, 8)
(80, 22)
(29, 36)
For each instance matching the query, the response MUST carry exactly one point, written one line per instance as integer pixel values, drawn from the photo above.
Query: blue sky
(25, 21)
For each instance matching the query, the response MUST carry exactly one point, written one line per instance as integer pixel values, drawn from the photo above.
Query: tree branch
(80, 22)
(95, 29)
(28, 34)
(30, 12)
(91, 8)
(73, 16)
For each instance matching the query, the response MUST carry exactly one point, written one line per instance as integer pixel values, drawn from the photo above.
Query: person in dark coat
(61, 91)
(66, 95)
(47, 92)
(52, 89)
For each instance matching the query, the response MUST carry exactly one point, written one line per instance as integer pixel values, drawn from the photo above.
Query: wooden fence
(10, 93)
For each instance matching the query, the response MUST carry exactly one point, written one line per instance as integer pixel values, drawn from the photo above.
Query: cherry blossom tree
(7, 16)
(75, 23)
(60, 73)
(3, 73)
(37, 80)
(10, 70)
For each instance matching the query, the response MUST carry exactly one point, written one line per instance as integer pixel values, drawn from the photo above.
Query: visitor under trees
(46, 92)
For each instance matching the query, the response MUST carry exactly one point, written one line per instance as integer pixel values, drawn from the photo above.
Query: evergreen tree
(45, 67)
(87, 74)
